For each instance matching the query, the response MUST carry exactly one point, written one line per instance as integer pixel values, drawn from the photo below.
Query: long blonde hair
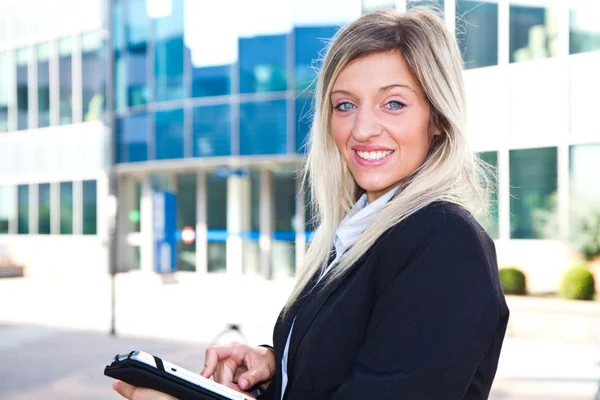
(450, 172)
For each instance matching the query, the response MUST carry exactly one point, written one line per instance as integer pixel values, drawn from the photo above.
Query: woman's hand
(239, 366)
(137, 393)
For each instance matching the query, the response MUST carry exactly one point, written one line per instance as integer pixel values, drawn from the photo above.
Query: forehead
(375, 71)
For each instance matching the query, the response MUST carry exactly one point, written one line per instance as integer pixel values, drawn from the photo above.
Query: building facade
(212, 103)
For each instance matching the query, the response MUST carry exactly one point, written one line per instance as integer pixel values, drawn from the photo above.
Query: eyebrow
(381, 89)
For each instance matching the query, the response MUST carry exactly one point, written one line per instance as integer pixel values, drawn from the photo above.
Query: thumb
(250, 378)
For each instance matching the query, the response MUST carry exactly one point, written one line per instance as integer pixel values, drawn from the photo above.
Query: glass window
(437, 6)
(132, 138)
(8, 207)
(533, 33)
(44, 208)
(22, 89)
(66, 208)
(283, 255)
(304, 115)
(43, 71)
(65, 71)
(533, 184)
(262, 63)
(23, 209)
(212, 131)
(374, 5)
(216, 222)
(89, 208)
(477, 32)
(490, 221)
(584, 31)
(585, 197)
(263, 127)
(186, 217)
(168, 48)
(169, 134)
(93, 77)
(137, 26)
(5, 85)
(309, 45)
(212, 61)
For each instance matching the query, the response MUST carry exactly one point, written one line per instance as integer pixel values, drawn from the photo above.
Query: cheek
(340, 133)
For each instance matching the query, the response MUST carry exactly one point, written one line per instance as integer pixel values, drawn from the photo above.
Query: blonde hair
(450, 172)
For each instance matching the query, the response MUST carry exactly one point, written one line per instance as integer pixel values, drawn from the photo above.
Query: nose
(366, 125)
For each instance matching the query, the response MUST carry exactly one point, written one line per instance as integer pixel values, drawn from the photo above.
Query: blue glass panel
(65, 80)
(212, 131)
(137, 36)
(262, 63)
(6, 82)
(169, 52)
(304, 115)
(44, 208)
(211, 81)
(477, 32)
(93, 75)
(169, 134)
(23, 209)
(263, 127)
(310, 43)
(90, 207)
(132, 138)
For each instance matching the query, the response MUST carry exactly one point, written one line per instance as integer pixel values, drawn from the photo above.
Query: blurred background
(149, 152)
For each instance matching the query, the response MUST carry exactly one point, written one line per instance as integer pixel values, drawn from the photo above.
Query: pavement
(54, 340)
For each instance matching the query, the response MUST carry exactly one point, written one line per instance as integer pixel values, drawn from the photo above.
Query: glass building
(214, 107)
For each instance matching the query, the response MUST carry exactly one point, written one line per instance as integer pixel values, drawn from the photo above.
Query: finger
(136, 393)
(239, 371)
(253, 377)
(219, 353)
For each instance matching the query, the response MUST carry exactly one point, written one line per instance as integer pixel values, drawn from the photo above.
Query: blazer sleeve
(432, 324)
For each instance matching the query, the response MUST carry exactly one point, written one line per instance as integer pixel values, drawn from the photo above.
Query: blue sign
(164, 217)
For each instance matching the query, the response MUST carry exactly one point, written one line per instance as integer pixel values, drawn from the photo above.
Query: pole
(112, 175)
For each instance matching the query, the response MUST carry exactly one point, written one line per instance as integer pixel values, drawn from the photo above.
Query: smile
(373, 155)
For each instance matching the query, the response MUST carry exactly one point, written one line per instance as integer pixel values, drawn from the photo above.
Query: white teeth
(373, 155)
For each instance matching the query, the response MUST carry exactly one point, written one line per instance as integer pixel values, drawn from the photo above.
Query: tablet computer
(146, 370)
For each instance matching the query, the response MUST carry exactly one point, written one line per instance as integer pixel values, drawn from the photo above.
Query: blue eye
(345, 106)
(395, 105)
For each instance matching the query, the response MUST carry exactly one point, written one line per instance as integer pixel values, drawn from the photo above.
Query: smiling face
(380, 121)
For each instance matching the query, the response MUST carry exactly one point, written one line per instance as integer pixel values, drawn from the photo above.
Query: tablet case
(143, 375)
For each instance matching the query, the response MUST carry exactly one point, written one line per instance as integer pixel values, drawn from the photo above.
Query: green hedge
(578, 284)
(513, 281)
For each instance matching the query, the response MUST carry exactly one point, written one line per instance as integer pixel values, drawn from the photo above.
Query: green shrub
(578, 284)
(513, 281)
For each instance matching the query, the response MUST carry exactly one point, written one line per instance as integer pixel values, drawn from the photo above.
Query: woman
(400, 296)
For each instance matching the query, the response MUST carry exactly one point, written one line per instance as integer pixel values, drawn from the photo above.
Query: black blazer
(420, 316)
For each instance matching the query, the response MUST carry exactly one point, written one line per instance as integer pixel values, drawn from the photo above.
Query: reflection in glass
(490, 221)
(584, 32)
(585, 197)
(65, 71)
(216, 223)
(93, 76)
(309, 45)
(132, 138)
(169, 134)
(8, 207)
(437, 6)
(168, 49)
(533, 33)
(22, 89)
(43, 71)
(212, 130)
(23, 209)
(66, 208)
(533, 181)
(89, 208)
(263, 63)
(137, 26)
(304, 115)
(5, 84)
(263, 127)
(44, 208)
(477, 32)
(186, 217)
